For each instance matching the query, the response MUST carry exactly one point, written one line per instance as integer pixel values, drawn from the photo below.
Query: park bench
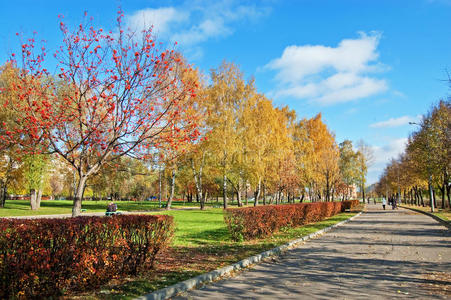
(112, 213)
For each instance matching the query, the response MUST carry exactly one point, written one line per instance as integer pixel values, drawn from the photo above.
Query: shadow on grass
(206, 237)
(142, 286)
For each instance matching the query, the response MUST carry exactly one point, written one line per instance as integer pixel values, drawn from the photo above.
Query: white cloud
(383, 155)
(201, 32)
(194, 22)
(329, 75)
(391, 150)
(162, 19)
(396, 122)
(399, 94)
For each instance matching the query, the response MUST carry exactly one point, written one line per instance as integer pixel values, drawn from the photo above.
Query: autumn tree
(35, 169)
(227, 94)
(425, 164)
(318, 158)
(115, 94)
(348, 165)
(365, 159)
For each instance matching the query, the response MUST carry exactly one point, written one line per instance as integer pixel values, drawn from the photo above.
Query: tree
(348, 165)
(226, 96)
(10, 162)
(116, 94)
(365, 159)
(319, 157)
(35, 169)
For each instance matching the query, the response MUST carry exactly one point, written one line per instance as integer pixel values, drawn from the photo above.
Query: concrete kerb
(203, 279)
(444, 222)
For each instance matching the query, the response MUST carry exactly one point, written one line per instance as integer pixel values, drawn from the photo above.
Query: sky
(369, 67)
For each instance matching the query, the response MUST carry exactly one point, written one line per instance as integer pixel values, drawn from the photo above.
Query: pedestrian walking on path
(393, 203)
(384, 202)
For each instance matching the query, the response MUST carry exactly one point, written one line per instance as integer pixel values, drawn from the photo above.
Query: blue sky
(369, 67)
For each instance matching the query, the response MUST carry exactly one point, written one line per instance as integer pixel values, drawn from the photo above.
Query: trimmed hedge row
(46, 257)
(253, 222)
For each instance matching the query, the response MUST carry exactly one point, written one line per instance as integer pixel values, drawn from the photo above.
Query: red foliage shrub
(350, 204)
(45, 257)
(253, 222)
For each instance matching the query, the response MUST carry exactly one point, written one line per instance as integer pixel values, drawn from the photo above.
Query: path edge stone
(438, 219)
(214, 275)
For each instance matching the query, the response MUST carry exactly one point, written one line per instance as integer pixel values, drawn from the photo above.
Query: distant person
(112, 207)
(374, 199)
(393, 203)
(384, 202)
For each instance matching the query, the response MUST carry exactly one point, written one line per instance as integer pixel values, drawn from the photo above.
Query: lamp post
(431, 195)
(398, 198)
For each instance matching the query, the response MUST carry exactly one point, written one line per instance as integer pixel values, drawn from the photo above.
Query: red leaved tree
(113, 94)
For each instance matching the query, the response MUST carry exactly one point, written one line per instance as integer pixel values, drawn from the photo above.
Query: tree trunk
(205, 199)
(448, 192)
(421, 197)
(257, 192)
(245, 193)
(159, 186)
(171, 196)
(198, 182)
(238, 197)
(328, 190)
(431, 193)
(3, 193)
(38, 199)
(239, 192)
(264, 194)
(33, 199)
(363, 192)
(224, 191)
(76, 209)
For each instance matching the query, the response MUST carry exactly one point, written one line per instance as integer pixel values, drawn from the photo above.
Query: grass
(201, 244)
(444, 214)
(15, 208)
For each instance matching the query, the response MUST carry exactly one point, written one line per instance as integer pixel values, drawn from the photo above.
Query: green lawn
(53, 207)
(197, 228)
(14, 208)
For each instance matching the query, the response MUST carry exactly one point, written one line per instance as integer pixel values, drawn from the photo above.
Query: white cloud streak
(396, 122)
(329, 75)
(194, 22)
(383, 155)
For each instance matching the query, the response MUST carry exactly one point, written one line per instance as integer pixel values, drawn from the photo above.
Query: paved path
(379, 255)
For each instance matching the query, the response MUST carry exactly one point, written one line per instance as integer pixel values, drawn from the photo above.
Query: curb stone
(192, 283)
(440, 220)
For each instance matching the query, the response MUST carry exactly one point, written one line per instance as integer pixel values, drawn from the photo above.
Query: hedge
(46, 257)
(253, 222)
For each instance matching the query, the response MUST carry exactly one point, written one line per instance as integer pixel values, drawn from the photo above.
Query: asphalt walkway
(379, 255)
